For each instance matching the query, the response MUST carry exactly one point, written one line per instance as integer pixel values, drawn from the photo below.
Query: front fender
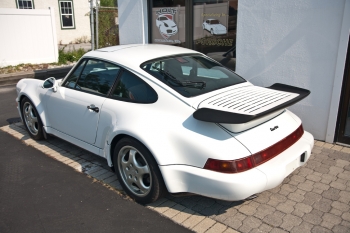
(31, 88)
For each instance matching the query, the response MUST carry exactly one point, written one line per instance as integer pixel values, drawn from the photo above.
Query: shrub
(69, 56)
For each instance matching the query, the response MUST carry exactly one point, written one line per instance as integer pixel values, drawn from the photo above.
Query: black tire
(131, 159)
(31, 119)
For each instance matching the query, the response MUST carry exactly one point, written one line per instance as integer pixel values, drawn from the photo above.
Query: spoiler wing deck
(218, 116)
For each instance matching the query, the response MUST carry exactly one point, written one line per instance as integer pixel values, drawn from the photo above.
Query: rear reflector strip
(244, 164)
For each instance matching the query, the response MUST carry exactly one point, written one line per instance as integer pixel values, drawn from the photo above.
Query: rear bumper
(233, 187)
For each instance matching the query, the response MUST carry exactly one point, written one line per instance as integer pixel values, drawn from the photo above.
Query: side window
(97, 77)
(132, 88)
(73, 77)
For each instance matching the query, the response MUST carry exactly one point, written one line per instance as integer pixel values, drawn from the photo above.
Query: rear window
(191, 75)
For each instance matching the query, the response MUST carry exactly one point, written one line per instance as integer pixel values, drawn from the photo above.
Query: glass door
(344, 111)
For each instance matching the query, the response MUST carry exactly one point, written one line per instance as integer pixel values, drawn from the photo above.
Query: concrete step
(13, 78)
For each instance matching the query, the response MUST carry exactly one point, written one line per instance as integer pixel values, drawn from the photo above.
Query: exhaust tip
(251, 197)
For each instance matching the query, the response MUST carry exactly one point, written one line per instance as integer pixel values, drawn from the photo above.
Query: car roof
(133, 55)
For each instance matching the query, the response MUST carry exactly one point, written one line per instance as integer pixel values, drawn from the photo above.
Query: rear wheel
(137, 171)
(31, 119)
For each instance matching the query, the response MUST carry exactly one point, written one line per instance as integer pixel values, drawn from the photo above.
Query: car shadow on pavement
(315, 197)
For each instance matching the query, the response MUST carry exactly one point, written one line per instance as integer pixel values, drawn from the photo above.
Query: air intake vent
(249, 100)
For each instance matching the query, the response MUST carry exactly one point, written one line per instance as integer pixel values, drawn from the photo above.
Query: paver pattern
(314, 198)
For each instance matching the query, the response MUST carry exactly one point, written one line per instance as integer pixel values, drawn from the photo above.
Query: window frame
(86, 60)
(61, 15)
(33, 6)
(115, 84)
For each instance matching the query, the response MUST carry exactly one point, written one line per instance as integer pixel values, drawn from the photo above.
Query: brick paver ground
(314, 198)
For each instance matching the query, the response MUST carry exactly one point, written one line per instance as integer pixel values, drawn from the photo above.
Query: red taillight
(220, 166)
(244, 164)
(241, 165)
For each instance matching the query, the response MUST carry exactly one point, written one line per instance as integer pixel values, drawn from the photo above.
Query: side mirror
(50, 83)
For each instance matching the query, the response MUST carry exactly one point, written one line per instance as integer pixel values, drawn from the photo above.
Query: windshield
(191, 75)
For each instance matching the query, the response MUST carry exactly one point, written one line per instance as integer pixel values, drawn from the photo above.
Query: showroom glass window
(25, 4)
(207, 26)
(66, 14)
(168, 22)
(214, 29)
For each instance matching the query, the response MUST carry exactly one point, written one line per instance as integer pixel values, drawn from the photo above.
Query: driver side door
(75, 108)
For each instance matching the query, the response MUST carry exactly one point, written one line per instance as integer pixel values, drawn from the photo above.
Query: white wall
(296, 42)
(27, 36)
(81, 16)
(133, 26)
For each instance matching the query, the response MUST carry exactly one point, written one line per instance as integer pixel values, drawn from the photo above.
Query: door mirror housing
(50, 83)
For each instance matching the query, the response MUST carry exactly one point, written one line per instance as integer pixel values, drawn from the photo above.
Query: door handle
(93, 108)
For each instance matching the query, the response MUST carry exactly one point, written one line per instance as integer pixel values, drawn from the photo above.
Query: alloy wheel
(134, 171)
(30, 118)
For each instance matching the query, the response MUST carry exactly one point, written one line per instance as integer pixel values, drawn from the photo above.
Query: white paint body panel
(234, 187)
(67, 112)
(179, 143)
(261, 137)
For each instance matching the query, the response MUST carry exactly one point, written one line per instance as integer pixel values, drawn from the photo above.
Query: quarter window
(132, 88)
(66, 14)
(25, 4)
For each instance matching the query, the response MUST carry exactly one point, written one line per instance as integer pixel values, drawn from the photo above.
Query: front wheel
(31, 119)
(137, 171)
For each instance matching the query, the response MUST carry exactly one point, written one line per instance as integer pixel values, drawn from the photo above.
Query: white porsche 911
(171, 119)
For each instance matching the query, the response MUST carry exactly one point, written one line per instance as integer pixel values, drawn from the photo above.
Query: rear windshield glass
(191, 75)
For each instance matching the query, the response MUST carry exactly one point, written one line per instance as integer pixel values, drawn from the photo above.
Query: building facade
(300, 43)
(71, 17)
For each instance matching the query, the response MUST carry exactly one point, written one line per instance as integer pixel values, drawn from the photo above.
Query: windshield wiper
(186, 83)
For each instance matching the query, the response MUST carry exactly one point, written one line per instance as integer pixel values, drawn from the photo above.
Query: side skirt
(75, 141)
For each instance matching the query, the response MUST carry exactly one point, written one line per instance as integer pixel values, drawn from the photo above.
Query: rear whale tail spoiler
(218, 116)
